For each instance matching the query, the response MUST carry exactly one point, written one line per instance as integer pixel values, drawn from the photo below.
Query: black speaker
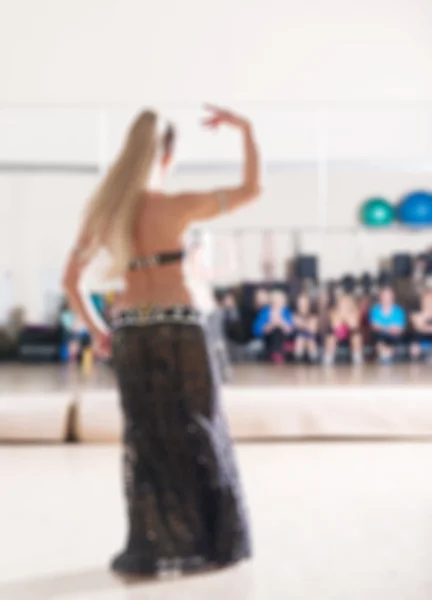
(306, 267)
(402, 265)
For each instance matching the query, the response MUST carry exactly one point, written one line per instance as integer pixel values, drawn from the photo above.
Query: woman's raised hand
(218, 116)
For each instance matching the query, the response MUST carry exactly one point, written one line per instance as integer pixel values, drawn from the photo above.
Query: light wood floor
(330, 522)
(54, 377)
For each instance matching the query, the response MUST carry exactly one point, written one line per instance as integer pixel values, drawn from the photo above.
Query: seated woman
(306, 330)
(344, 329)
(275, 325)
(388, 323)
(422, 327)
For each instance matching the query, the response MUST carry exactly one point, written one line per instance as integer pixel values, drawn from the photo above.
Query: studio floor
(19, 377)
(263, 402)
(330, 521)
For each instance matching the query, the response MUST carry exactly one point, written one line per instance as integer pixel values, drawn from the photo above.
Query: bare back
(159, 229)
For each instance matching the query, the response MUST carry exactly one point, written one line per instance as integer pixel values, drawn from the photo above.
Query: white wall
(286, 134)
(235, 51)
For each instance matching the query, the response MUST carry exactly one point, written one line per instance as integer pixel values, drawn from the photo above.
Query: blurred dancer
(184, 503)
(199, 278)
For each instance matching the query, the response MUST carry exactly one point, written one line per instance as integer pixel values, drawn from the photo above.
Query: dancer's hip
(146, 315)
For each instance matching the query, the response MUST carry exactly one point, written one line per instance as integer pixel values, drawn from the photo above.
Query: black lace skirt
(184, 503)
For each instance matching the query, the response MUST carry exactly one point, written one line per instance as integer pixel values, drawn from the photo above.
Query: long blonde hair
(111, 214)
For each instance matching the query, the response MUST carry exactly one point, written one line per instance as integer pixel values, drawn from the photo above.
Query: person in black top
(421, 322)
(306, 325)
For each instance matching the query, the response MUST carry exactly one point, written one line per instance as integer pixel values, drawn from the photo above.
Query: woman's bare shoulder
(154, 202)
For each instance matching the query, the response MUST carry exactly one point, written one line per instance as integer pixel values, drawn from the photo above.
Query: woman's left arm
(80, 305)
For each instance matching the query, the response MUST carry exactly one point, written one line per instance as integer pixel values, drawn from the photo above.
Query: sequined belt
(151, 315)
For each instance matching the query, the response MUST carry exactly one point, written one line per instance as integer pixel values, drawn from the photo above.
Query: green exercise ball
(377, 212)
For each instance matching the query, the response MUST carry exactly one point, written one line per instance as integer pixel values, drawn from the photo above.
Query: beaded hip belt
(151, 315)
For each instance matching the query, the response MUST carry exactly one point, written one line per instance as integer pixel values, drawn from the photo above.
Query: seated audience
(275, 325)
(324, 303)
(388, 323)
(344, 330)
(422, 327)
(231, 320)
(306, 330)
(364, 303)
(250, 313)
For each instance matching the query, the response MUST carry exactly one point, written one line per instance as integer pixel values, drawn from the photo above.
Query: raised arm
(200, 206)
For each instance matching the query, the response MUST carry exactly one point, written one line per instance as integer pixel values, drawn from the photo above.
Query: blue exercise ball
(415, 209)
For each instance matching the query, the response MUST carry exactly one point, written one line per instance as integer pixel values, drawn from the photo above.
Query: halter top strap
(155, 260)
